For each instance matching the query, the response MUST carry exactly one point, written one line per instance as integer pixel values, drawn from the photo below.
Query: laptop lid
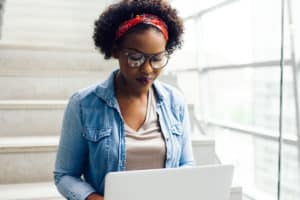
(210, 182)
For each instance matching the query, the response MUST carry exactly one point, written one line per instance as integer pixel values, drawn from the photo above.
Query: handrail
(272, 63)
(239, 129)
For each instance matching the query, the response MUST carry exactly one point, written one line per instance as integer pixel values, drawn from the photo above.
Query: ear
(115, 51)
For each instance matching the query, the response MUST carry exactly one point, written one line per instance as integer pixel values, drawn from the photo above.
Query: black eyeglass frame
(145, 57)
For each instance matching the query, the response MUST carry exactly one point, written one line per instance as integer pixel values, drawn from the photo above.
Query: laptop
(209, 182)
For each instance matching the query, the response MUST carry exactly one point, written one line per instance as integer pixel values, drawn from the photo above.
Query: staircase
(46, 54)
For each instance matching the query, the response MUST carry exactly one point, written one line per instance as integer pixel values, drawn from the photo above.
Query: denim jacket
(92, 141)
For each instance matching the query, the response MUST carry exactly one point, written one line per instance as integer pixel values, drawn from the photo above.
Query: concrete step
(47, 191)
(30, 191)
(18, 59)
(68, 22)
(202, 147)
(24, 118)
(31, 159)
(236, 193)
(46, 87)
(44, 117)
(42, 72)
(27, 159)
(29, 163)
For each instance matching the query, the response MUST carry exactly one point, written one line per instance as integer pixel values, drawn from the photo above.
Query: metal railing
(273, 63)
(2, 2)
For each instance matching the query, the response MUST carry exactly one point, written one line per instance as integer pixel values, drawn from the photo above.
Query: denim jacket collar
(106, 90)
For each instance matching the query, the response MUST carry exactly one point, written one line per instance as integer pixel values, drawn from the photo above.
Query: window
(232, 52)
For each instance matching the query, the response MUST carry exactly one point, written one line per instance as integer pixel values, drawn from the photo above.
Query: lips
(144, 80)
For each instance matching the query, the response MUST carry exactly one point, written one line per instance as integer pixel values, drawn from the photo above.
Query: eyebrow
(138, 51)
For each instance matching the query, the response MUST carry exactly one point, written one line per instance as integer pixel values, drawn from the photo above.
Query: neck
(123, 89)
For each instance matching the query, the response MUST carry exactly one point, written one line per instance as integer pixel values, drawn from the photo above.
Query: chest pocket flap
(96, 134)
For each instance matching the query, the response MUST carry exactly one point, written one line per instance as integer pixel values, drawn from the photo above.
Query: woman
(130, 121)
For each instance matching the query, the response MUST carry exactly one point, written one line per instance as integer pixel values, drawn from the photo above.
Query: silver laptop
(210, 182)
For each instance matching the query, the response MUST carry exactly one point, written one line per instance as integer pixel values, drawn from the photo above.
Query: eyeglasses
(137, 59)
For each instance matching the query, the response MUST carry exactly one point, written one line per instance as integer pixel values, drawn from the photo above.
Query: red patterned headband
(146, 19)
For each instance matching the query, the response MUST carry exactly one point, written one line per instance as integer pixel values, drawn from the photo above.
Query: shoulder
(172, 100)
(102, 90)
(84, 94)
(87, 97)
(170, 94)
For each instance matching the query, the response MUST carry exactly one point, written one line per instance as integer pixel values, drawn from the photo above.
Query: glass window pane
(290, 178)
(187, 7)
(247, 32)
(242, 32)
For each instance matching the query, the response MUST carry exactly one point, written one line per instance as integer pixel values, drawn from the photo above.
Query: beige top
(145, 148)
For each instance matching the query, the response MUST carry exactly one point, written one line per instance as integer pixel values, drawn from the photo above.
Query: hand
(94, 196)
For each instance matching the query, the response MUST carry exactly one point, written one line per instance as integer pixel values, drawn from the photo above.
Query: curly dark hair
(109, 21)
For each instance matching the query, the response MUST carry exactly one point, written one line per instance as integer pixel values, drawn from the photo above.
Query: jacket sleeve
(187, 157)
(71, 155)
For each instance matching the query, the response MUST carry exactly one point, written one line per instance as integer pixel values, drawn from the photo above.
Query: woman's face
(130, 54)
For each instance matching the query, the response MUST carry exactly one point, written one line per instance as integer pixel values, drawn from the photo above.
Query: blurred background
(228, 70)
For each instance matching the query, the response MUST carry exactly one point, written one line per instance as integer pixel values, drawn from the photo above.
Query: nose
(146, 67)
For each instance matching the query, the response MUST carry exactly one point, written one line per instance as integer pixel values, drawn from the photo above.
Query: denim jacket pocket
(99, 145)
(96, 134)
